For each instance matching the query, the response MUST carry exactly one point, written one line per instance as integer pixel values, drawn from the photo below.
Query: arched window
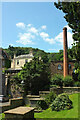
(59, 67)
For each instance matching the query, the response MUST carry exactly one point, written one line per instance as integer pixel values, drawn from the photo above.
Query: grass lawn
(2, 116)
(72, 113)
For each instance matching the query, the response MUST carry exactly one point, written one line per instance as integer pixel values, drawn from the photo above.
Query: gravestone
(21, 113)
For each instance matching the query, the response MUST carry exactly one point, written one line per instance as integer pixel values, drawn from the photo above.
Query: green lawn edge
(72, 113)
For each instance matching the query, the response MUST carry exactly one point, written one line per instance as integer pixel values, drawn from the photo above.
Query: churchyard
(32, 86)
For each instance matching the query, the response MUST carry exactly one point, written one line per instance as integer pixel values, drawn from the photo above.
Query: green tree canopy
(35, 75)
(72, 16)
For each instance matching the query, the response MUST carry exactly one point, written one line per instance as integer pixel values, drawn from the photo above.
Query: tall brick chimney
(65, 54)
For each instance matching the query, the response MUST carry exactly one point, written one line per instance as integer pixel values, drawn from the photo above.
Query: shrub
(75, 76)
(42, 104)
(79, 76)
(77, 84)
(57, 79)
(50, 98)
(68, 81)
(61, 102)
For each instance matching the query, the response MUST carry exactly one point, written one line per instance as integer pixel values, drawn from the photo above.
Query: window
(17, 62)
(59, 67)
(69, 66)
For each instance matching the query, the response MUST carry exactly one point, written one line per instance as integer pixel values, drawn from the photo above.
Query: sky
(34, 24)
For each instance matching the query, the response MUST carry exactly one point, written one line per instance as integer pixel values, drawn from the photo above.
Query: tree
(57, 79)
(35, 75)
(72, 16)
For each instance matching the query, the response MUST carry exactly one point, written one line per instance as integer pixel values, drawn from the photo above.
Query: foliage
(42, 104)
(79, 76)
(63, 114)
(7, 63)
(77, 84)
(68, 81)
(57, 79)
(50, 98)
(61, 102)
(72, 16)
(75, 76)
(46, 57)
(76, 65)
(35, 76)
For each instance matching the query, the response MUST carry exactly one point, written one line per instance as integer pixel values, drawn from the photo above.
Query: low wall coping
(35, 99)
(44, 91)
(33, 96)
(16, 99)
(19, 110)
(69, 87)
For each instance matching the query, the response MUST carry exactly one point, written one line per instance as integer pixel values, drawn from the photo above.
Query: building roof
(24, 56)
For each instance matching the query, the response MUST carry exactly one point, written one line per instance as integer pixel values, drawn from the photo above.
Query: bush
(79, 76)
(42, 104)
(68, 81)
(75, 76)
(77, 84)
(50, 98)
(57, 79)
(61, 102)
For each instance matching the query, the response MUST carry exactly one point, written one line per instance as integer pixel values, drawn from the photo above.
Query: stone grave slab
(20, 113)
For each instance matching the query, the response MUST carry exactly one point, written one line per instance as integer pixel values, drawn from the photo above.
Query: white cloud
(59, 37)
(70, 39)
(51, 49)
(20, 25)
(46, 38)
(29, 25)
(44, 35)
(33, 30)
(50, 41)
(25, 38)
(43, 27)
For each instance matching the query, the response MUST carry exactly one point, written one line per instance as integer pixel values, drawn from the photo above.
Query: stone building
(19, 61)
(57, 67)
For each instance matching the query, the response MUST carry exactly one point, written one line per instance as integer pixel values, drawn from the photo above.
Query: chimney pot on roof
(14, 55)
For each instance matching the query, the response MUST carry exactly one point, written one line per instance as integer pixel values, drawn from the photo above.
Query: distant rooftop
(24, 56)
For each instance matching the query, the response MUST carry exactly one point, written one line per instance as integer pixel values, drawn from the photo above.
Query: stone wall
(68, 90)
(13, 90)
(13, 103)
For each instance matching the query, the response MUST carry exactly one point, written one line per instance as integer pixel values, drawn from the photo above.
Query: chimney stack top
(64, 28)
